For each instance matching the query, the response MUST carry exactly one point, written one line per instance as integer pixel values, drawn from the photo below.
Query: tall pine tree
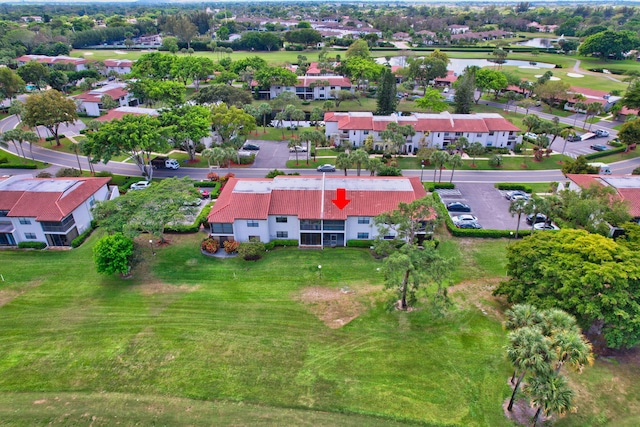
(387, 101)
(464, 93)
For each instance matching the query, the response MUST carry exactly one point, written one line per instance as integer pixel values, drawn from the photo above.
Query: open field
(189, 339)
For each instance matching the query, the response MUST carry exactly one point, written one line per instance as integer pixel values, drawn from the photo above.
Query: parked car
(140, 185)
(446, 90)
(574, 138)
(298, 148)
(251, 147)
(601, 133)
(598, 147)
(545, 226)
(530, 136)
(469, 224)
(204, 193)
(326, 168)
(538, 218)
(464, 218)
(458, 207)
(516, 195)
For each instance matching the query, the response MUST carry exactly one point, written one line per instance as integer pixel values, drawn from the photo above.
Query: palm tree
(359, 158)
(579, 107)
(76, 149)
(288, 112)
(522, 316)
(565, 133)
(306, 135)
(374, 164)
(297, 115)
(572, 349)
(474, 150)
(528, 351)
(293, 144)
(550, 393)
(280, 117)
(455, 161)
(253, 112)
(531, 121)
(316, 116)
(439, 158)
(18, 136)
(593, 109)
(328, 105)
(518, 207)
(343, 162)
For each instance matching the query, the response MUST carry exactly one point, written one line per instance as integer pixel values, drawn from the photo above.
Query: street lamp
(320, 271)
(151, 245)
(421, 171)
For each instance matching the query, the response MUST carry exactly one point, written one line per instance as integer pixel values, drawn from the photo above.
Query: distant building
(458, 29)
(79, 63)
(308, 87)
(91, 102)
(120, 112)
(627, 188)
(432, 130)
(120, 66)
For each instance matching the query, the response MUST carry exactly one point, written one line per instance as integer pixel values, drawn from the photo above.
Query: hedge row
(81, 238)
(509, 186)
(470, 232)
(272, 244)
(359, 243)
(431, 186)
(53, 138)
(201, 219)
(605, 153)
(32, 245)
(17, 166)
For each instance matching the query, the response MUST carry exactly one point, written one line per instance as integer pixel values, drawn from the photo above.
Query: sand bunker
(119, 52)
(576, 75)
(554, 78)
(530, 67)
(87, 53)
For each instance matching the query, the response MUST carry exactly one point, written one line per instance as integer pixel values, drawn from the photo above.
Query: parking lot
(272, 154)
(487, 203)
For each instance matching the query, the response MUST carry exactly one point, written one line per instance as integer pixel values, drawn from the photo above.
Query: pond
(540, 42)
(458, 65)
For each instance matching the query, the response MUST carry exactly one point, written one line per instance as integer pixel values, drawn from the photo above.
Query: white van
(603, 168)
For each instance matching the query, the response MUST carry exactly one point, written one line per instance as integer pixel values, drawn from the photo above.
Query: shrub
(17, 166)
(81, 238)
(359, 243)
(432, 186)
(44, 175)
(283, 242)
(68, 172)
(510, 187)
(495, 161)
(251, 251)
(3, 160)
(517, 148)
(230, 246)
(210, 245)
(274, 173)
(200, 147)
(389, 171)
(213, 177)
(104, 174)
(636, 171)
(32, 245)
(599, 154)
(247, 160)
(226, 178)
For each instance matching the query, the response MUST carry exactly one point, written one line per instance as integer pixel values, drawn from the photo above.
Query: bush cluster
(210, 245)
(432, 186)
(359, 243)
(280, 242)
(230, 246)
(251, 251)
(17, 166)
(68, 172)
(508, 186)
(605, 153)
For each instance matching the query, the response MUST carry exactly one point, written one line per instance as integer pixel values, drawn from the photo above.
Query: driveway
(487, 203)
(272, 154)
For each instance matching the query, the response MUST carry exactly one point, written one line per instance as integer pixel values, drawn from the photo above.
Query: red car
(204, 193)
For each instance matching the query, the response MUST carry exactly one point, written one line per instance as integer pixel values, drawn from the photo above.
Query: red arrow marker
(341, 198)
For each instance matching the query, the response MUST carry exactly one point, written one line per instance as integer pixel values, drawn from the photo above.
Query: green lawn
(15, 160)
(509, 163)
(189, 339)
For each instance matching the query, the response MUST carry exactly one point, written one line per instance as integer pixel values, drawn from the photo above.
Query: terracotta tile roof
(627, 187)
(118, 63)
(306, 81)
(355, 123)
(307, 204)
(500, 125)
(450, 78)
(43, 59)
(49, 205)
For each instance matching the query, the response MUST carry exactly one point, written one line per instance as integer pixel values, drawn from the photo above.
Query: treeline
(98, 36)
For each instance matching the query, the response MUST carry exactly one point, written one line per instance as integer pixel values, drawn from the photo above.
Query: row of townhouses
(51, 210)
(308, 87)
(301, 208)
(431, 130)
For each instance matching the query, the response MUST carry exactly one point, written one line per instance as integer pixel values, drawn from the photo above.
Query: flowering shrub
(210, 245)
(212, 176)
(226, 178)
(230, 246)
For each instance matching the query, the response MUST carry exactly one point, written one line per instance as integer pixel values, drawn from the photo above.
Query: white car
(298, 148)
(463, 218)
(545, 226)
(530, 136)
(140, 185)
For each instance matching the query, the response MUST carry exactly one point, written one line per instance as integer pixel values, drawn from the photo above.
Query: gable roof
(120, 112)
(310, 197)
(46, 199)
(115, 91)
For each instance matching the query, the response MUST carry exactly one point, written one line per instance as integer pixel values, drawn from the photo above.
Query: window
(438, 134)
(458, 133)
(282, 234)
(252, 223)
(25, 221)
(478, 134)
(281, 219)
(366, 132)
(491, 133)
(309, 224)
(4, 213)
(31, 236)
(510, 133)
(333, 225)
(363, 235)
(221, 228)
(363, 220)
(389, 237)
(92, 201)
